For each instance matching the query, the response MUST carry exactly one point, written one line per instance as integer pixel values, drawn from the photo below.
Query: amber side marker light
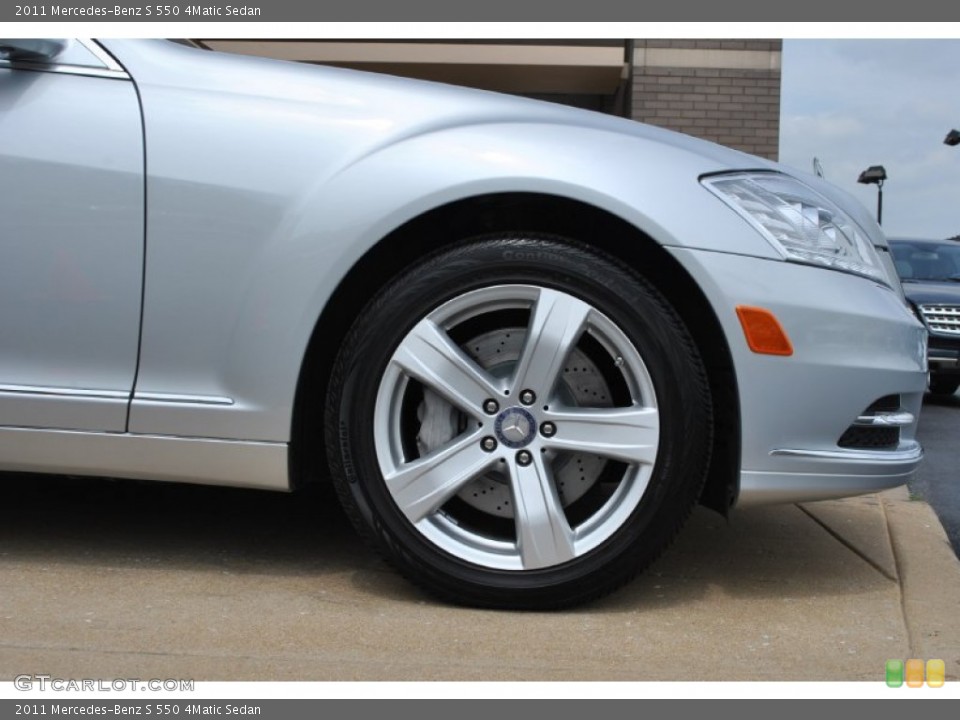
(763, 331)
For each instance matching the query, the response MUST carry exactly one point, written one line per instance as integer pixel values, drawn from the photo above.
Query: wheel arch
(519, 212)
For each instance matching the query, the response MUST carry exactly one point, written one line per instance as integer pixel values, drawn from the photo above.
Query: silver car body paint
(71, 220)
(268, 181)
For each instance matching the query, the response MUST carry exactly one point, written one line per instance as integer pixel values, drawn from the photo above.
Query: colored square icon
(894, 673)
(914, 673)
(936, 672)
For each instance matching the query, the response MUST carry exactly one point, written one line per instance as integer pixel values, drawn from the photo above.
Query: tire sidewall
(647, 321)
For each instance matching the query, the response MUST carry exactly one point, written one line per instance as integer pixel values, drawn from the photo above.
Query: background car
(930, 273)
(523, 340)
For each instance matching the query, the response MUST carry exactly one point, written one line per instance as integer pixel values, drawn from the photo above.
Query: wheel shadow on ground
(123, 523)
(769, 552)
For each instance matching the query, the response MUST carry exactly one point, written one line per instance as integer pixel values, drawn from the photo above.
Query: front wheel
(519, 422)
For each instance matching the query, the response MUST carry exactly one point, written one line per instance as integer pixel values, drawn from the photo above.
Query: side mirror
(31, 50)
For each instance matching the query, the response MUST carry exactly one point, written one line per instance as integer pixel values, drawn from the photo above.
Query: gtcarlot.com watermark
(58, 684)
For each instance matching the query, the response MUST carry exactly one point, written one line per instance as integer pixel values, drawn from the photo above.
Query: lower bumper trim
(908, 452)
(808, 475)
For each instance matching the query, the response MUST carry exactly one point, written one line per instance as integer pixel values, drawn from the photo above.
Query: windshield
(936, 261)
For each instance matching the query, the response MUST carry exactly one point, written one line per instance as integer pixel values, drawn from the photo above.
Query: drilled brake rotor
(498, 351)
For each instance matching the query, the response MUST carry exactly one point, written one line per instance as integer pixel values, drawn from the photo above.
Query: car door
(71, 236)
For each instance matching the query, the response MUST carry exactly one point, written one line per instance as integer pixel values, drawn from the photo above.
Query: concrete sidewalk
(231, 585)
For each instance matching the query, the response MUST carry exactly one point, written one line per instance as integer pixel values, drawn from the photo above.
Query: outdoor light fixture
(875, 175)
(952, 138)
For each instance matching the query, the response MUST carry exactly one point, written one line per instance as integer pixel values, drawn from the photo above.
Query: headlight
(799, 222)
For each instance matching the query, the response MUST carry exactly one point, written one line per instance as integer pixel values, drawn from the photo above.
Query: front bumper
(856, 344)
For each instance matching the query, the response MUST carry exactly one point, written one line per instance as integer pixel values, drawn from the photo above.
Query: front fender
(245, 351)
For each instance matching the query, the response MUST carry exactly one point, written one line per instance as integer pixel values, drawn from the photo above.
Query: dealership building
(726, 91)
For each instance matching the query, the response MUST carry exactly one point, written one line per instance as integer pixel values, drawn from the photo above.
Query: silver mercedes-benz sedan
(523, 340)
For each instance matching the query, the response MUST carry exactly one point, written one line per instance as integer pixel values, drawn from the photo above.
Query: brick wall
(726, 91)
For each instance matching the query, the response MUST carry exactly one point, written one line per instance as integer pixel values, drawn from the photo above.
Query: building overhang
(504, 67)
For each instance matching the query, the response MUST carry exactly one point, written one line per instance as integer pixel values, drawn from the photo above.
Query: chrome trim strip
(909, 451)
(111, 68)
(897, 418)
(66, 70)
(102, 55)
(65, 392)
(117, 395)
(184, 399)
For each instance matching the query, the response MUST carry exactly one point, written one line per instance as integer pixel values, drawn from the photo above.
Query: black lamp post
(952, 138)
(875, 175)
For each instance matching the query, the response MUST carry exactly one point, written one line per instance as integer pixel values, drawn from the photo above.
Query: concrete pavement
(101, 579)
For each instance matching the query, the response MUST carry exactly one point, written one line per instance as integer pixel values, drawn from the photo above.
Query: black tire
(572, 544)
(944, 385)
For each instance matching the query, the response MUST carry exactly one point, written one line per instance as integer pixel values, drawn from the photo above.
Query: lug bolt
(527, 397)
(548, 429)
(489, 444)
(524, 458)
(490, 407)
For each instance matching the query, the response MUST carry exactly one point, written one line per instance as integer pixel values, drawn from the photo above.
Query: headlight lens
(799, 222)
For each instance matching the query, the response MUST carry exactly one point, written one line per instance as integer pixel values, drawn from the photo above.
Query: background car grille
(942, 318)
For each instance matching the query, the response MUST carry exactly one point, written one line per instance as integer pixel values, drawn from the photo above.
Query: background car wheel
(519, 422)
(940, 385)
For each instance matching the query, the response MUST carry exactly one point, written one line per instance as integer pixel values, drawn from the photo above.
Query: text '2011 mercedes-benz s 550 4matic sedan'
(523, 340)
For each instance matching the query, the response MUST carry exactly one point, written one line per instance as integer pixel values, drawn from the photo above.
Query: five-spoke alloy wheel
(519, 422)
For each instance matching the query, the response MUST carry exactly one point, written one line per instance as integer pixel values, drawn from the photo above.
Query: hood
(932, 293)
